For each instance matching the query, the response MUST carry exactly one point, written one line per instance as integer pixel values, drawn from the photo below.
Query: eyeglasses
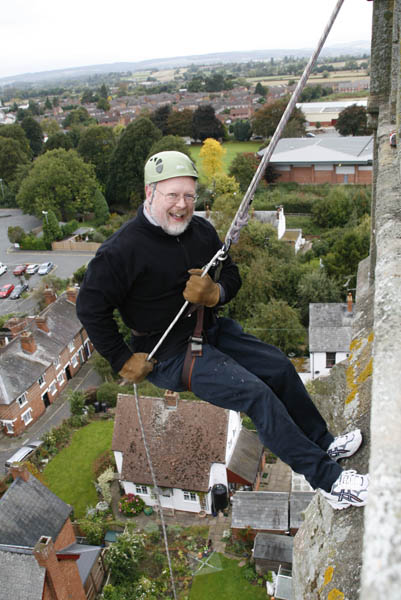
(172, 197)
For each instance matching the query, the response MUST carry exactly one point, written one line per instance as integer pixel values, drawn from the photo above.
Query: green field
(231, 150)
(69, 474)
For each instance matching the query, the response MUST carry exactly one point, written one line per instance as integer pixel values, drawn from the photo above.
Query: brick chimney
(72, 293)
(45, 555)
(349, 302)
(20, 472)
(171, 399)
(28, 343)
(15, 325)
(41, 324)
(50, 296)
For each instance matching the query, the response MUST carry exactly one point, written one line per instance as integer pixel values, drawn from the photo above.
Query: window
(141, 489)
(166, 492)
(41, 381)
(190, 496)
(71, 346)
(330, 359)
(60, 378)
(74, 360)
(53, 388)
(27, 416)
(57, 363)
(22, 400)
(9, 427)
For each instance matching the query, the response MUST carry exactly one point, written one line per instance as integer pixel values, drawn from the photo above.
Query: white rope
(156, 491)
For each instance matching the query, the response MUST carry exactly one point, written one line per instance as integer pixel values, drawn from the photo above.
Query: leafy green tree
(316, 286)
(11, 156)
(96, 145)
(267, 118)
(101, 365)
(353, 120)
(100, 208)
(347, 252)
(180, 122)
(278, 324)
(88, 97)
(15, 234)
(16, 132)
(103, 91)
(58, 140)
(160, 118)
(243, 168)
(48, 104)
(77, 402)
(260, 89)
(205, 124)
(242, 130)
(78, 116)
(50, 126)
(123, 557)
(79, 274)
(103, 104)
(33, 132)
(170, 142)
(125, 181)
(51, 228)
(340, 206)
(61, 181)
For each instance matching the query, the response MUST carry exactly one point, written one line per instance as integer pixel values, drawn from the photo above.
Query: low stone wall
(73, 246)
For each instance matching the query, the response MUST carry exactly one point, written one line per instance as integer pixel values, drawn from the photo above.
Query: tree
(340, 206)
(50, 126)
(260, 89)
(78, 116)
(243, 168)
(103, 91)
(160, 118)
(123, 557)
(211, 154)
(16, 132)
(48, 104)
(267, 118)
(96, 146)
(51, 228)
(347, 251)
(125, 180)
(170, 142)
(103, 104)
(316, 286)
(205, 124)
(180, 122)
(15, 234)
(100, 208)
(278, 324)
(58, 140)
(242, 130)
(88, 97)
(61, 181)
(11, 156)
(33, 132)
(77, 402)
(353, 120)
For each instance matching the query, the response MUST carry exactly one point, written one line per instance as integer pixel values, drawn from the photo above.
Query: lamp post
(44, 212)
(2, 188)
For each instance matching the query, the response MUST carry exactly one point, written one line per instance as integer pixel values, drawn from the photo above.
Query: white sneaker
(350, 489)
(345, 445)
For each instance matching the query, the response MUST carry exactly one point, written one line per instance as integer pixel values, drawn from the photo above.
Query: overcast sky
(42, 35)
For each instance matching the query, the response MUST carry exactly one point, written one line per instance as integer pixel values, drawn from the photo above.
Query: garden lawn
(231, 148)
(69, 474)
(227, 584)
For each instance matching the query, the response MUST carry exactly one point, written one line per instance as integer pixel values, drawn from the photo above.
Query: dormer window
(22, 400)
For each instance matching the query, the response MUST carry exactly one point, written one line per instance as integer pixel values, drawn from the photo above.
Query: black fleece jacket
(142, 271)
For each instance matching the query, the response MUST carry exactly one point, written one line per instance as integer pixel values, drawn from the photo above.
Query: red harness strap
(194, 349)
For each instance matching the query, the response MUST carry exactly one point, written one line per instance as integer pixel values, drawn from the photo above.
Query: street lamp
(2, 188)
(44, 212)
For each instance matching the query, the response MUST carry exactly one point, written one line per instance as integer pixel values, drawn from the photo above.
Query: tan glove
(137, 367)
(201, 290)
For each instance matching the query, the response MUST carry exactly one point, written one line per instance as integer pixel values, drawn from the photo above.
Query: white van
(22, 453)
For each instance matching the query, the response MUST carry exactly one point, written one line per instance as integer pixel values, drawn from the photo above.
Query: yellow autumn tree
(211, 155)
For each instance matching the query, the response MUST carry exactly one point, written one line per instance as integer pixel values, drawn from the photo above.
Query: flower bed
(131, 505)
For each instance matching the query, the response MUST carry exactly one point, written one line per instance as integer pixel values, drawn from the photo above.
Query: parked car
(19, 270)
(45, 268)
(18, 290)
(3, 269)
(31, 269)
(22, 453)
(6, 290)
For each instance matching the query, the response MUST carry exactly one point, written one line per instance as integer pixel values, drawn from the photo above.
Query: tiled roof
(260, 510)
(245, 459)
(329, 327)
(29, 510)
(183, 442)
(272, 546)
(21, 576)
(19, 369)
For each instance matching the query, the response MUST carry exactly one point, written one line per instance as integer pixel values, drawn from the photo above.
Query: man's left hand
(201, 290)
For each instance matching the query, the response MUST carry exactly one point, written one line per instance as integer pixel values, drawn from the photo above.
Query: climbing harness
(232, 236)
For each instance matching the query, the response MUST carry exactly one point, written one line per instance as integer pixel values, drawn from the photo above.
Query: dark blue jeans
(239, 372)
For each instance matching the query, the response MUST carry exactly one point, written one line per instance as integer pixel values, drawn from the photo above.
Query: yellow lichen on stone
(335, 595)
(328, 576)
(367, 372)
(351, 384)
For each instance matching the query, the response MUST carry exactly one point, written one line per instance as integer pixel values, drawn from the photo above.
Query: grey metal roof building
(273, 547)
(265, 511)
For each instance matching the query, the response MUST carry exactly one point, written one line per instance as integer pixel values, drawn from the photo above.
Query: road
(66, 263)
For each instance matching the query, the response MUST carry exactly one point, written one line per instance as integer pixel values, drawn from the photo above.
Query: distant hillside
(354, 49)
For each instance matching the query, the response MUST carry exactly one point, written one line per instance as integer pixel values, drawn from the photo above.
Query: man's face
(172, 207)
